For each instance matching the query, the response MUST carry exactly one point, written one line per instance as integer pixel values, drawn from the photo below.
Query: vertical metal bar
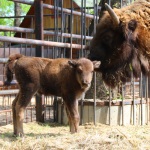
(81, 104)
(122, 104)
(31, 114)
(109, 106)
(32, 26)
(26, 115)
(26, 44)
(81, 111)
(49, 113)
(141, 91)
(133, 93)
(121, 3)
(81, 28)
(147, 101)
(6, 118)
(71, 28)
(55, 109)
(62, 27)
(94, 98)
(62, 111)
(21, 44)
(55, 26)
(84, 42)
(94, 17)
(94, 72)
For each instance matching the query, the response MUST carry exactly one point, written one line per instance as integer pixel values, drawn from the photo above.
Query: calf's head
(84, 69)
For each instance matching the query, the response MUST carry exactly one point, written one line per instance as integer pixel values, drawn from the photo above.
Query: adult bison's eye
(107, 38)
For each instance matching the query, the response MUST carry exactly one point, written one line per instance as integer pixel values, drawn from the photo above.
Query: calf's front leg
(74, 118)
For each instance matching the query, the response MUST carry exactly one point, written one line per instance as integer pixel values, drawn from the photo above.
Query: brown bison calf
(67, 78)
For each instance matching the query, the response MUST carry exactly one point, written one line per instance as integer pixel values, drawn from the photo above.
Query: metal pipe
(3, 60)
(141, 90)
(81, 32)
(71, 30)
(29, 30)
(16, 29)
(62, 27)
(8, 92)
(122, 104)
(52, 7)
(147, 101)
(109, 106)
(23, 1)
(94, 98)
(38, 42)
(134, 113)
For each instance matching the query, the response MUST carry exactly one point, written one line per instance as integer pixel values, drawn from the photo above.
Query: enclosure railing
(54, 42)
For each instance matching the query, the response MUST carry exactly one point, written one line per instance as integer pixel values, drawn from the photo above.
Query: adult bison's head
(116, 45)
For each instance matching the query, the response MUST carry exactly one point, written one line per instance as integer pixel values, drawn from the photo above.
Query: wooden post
(38, 6)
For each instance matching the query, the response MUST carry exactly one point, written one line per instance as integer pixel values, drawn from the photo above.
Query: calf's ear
(72, 63)
(96, 64)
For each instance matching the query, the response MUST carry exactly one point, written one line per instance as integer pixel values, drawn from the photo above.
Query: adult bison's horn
(112, 14)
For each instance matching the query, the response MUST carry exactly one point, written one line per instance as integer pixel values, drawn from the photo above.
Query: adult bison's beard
(122, 74)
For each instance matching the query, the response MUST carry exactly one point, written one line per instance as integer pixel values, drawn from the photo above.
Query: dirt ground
(56, 137)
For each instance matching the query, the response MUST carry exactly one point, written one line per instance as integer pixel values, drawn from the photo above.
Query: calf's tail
(10, 67)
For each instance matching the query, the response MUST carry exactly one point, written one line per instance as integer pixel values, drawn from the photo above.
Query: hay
(90, 137)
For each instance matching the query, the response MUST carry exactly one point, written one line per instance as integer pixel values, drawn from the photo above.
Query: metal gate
(55, 29)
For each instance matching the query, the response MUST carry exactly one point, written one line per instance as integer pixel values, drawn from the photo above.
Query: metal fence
(63, 29)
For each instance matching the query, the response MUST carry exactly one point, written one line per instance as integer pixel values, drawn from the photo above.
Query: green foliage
(25, 8)
(7, 10)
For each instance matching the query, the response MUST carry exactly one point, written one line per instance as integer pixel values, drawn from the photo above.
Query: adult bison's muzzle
(122, 42)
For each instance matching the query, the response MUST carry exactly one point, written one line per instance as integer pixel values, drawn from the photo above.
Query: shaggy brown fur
(67, 78)
(126, 47)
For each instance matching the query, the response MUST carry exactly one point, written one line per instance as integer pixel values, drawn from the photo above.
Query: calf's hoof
(18, 134)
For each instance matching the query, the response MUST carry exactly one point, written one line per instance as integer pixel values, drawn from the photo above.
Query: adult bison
(122, 42)
(67, 78)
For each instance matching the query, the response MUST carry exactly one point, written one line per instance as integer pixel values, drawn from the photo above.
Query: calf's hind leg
(14, 114)
(24, 98)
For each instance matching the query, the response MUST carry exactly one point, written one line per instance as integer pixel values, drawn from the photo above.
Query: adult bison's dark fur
(122, 42)
(67, 78)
